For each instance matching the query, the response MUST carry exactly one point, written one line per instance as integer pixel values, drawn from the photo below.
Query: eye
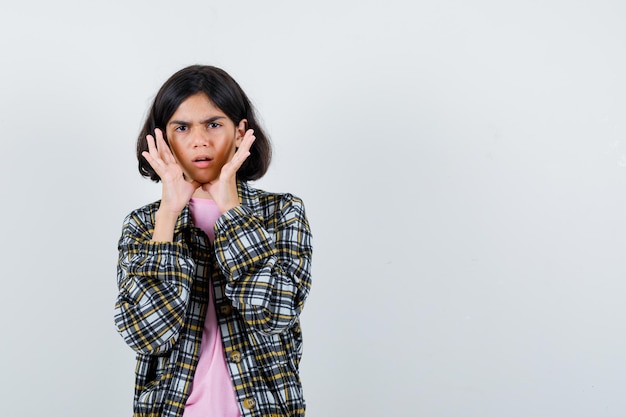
(213, 125)
(181, 129)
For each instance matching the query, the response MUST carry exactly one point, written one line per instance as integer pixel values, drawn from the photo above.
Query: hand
(224, 189)
(176, 190)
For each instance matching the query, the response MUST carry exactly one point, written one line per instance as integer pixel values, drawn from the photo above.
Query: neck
(200, 193)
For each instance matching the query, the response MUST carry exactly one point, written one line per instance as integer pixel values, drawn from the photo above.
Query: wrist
(167, 215)
(164, 224)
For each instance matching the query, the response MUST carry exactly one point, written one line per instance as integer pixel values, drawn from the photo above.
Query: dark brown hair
(226, 94)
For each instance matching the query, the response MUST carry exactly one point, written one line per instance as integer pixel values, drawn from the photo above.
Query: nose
(199, 138)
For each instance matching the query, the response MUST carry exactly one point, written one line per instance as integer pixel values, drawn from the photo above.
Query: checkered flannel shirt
(259, 267)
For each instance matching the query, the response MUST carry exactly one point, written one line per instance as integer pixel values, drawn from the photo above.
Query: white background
(463, 165)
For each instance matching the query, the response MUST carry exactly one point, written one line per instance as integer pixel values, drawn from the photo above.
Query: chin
(202, 179)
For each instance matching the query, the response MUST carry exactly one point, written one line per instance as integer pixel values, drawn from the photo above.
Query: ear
(241, 131)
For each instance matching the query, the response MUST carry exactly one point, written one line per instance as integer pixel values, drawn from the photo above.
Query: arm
(154, 281)
(154, 272)
(268, 273)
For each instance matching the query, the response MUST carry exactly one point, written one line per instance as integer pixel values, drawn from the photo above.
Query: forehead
(197, 105)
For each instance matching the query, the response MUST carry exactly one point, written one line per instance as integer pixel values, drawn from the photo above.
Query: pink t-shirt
(212, 392)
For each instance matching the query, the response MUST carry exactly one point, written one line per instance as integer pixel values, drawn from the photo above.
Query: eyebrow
(184, 123)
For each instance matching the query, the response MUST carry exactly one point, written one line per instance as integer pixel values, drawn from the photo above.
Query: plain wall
(463, 165)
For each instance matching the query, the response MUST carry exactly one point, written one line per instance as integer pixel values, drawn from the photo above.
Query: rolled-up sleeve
(267, 263)
(154, 281)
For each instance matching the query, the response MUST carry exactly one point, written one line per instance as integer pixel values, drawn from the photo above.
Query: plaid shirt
(259, 267)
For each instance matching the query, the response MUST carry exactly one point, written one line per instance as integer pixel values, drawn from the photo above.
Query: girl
(212, 278)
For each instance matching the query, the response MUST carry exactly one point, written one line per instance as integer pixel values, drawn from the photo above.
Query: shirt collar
(248, 197)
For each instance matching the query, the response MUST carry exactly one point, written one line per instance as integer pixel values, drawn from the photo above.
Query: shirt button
(225, 309)
(235, 356)
(249, 403)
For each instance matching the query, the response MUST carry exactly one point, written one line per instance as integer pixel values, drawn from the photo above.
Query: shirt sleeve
(267, 263)
(154, 282)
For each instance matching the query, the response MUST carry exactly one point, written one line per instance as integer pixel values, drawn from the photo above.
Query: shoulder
(140, 222)
(144, 214)
(277, 210)
(270, 203)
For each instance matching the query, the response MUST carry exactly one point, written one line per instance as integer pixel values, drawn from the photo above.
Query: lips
(202, 161)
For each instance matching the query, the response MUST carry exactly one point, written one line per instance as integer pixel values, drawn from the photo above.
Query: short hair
(226, 94)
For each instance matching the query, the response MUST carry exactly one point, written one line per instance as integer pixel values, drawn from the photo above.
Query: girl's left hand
(223, 190)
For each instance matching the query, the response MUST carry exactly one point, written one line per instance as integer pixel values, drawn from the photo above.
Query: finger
(156, 164)
(248, 139)
(160, 145)
(152, 155)
(151, 144)
(230, 169)
(147, 156)
(241, 154)
(243, 151)
(164, 150)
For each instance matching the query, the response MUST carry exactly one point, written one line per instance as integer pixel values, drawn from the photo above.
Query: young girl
(212, 278)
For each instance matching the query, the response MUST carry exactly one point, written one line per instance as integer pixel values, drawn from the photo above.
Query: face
(202, 138)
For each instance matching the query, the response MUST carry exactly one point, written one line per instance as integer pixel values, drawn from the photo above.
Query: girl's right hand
(176, 190)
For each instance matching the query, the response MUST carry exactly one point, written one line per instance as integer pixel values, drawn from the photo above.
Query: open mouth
(202, 161)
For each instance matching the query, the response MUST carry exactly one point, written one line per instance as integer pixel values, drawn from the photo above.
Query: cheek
(228, 149)
(233, 149)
